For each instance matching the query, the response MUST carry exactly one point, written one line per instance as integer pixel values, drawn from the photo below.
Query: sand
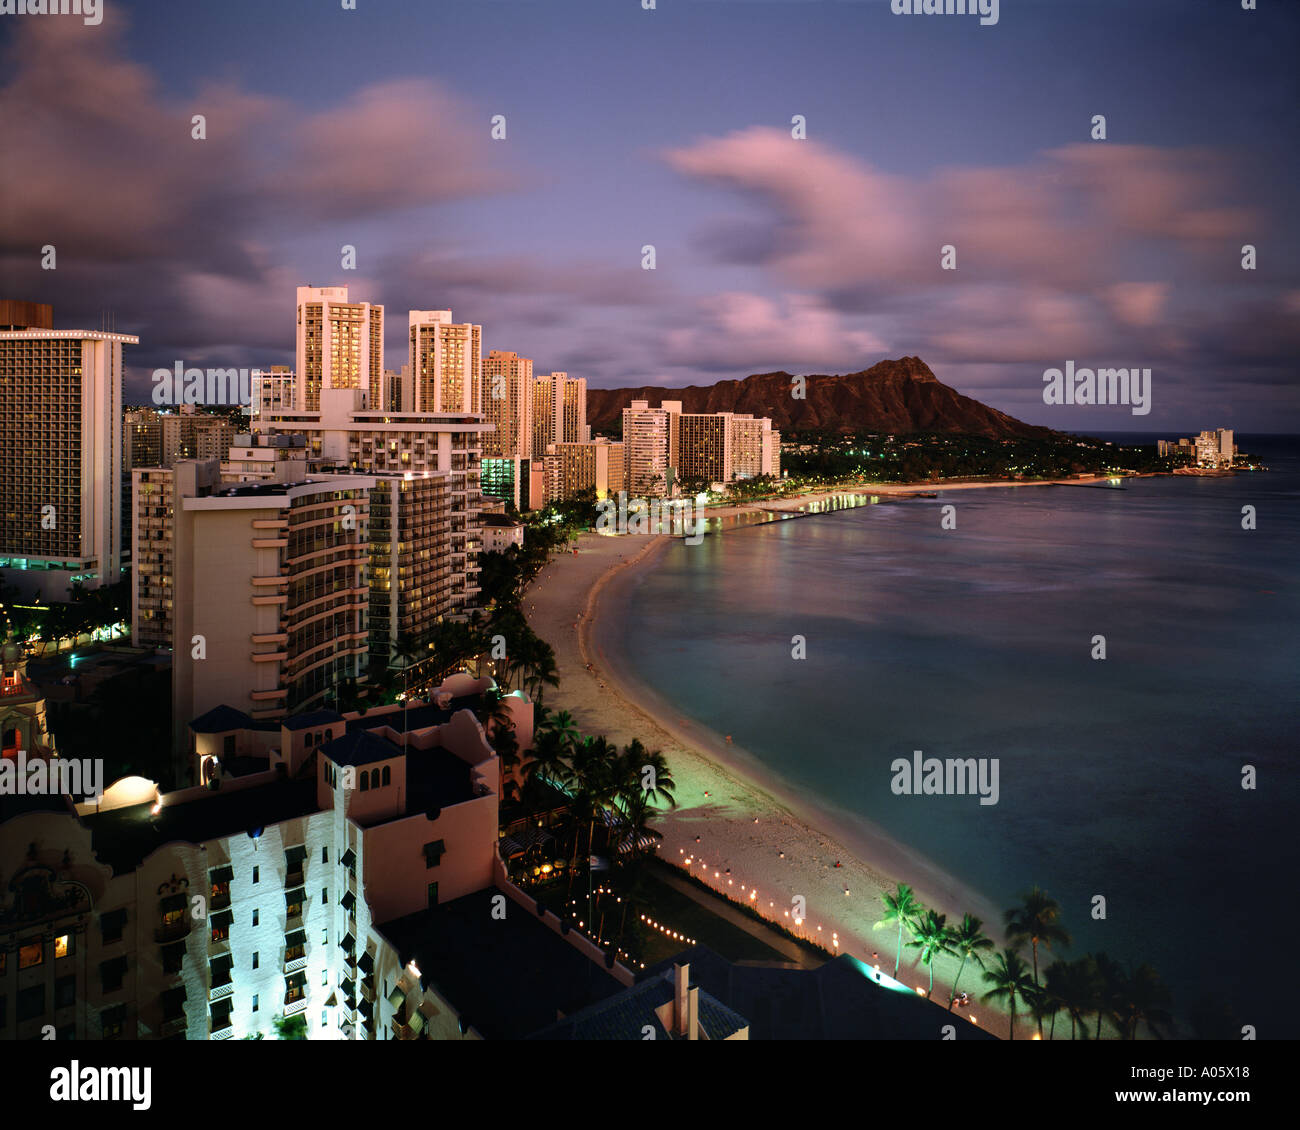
(744, 831)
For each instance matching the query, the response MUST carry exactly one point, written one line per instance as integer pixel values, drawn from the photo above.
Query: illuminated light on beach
(973, 1020)
(920, 990)
(1035, 1036)
(753, 894)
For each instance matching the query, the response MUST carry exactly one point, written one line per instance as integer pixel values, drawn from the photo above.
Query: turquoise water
(1118, 777)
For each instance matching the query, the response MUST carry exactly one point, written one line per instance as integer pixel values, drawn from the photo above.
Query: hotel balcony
(292, 1008)
(173, 932)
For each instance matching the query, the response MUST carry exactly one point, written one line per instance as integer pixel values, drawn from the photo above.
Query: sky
(673, 127)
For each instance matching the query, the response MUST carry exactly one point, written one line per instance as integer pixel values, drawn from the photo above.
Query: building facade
(60, 454)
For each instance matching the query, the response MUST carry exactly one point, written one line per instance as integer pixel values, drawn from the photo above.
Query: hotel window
(325, 936)
(433, 853)
(256, 875)
(221, 969)
(62, 946)
(112, 1021)
(173, 957)
(111, 924)
(255, 916)
(388, 775)
(324, 976)
(65, 992)
(220, 879)
(365, 781)
(112, 973)
(30, 955)
(31, 1003)
(324, 894)
(324, 855)
(221, 925)
(255, 1002)
(255, 959)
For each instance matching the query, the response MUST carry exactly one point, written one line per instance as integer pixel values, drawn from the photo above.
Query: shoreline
(739, 826)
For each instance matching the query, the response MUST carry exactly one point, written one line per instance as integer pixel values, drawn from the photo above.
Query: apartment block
(559, 411)
(703, 442)
(443, 364)
(270, 598)
(339, 350)
(572, 468)
(649, 447)
(508, 405)
(61, 451)
(274, 390)
(413, 577)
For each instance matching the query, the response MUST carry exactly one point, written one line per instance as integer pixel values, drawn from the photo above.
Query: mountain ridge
(895, 395)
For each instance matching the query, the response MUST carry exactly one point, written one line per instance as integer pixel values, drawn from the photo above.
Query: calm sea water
(1119, 778)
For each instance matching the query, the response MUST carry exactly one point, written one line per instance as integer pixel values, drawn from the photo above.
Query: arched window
(365, 781)
(329, 735)
(374, 778)
(388, 775)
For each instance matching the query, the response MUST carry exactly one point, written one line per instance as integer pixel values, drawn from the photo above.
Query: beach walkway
(719, 907)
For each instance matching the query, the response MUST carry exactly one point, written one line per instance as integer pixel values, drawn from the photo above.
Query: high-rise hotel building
(559, 411)
(60, 453)
(649, 451)
(339, 346)
(508, 405)
(444, 364)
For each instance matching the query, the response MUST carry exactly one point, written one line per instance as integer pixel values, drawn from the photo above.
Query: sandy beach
(736, 826)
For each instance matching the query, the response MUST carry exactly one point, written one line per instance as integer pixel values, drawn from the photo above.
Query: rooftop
(506, 977)
(836, 1001)
(123, 837)
(625, 1016)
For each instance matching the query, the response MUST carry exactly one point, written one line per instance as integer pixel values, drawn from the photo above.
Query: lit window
(31, 955)
(62, 946)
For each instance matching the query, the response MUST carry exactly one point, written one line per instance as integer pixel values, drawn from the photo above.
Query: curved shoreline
(743, 829)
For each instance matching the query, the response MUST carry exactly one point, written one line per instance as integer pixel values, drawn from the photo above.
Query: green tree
(1009, 978)
(901, 907)
(932, 939)
(970, 941)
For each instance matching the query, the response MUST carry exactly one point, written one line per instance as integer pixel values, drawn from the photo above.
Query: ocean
(1119, 778)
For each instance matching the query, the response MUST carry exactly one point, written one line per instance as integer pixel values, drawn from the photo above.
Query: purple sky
(672, 127)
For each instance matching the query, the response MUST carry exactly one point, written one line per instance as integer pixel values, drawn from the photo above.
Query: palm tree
(1043, 1005)
(1107, 985)
(932, 939)
(563, 725)
(1036, 920)
(969, 940)
(636, 759)
(1071, 983)
(901, 907)
(1009, 978)
(1142, 997)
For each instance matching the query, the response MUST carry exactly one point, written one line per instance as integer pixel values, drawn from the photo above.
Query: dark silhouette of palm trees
(1037, 919)
(970, 941)
(1009, 978)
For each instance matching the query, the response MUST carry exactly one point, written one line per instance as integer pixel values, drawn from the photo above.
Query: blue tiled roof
(359, 747)
(312, 719)
(220, 719)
